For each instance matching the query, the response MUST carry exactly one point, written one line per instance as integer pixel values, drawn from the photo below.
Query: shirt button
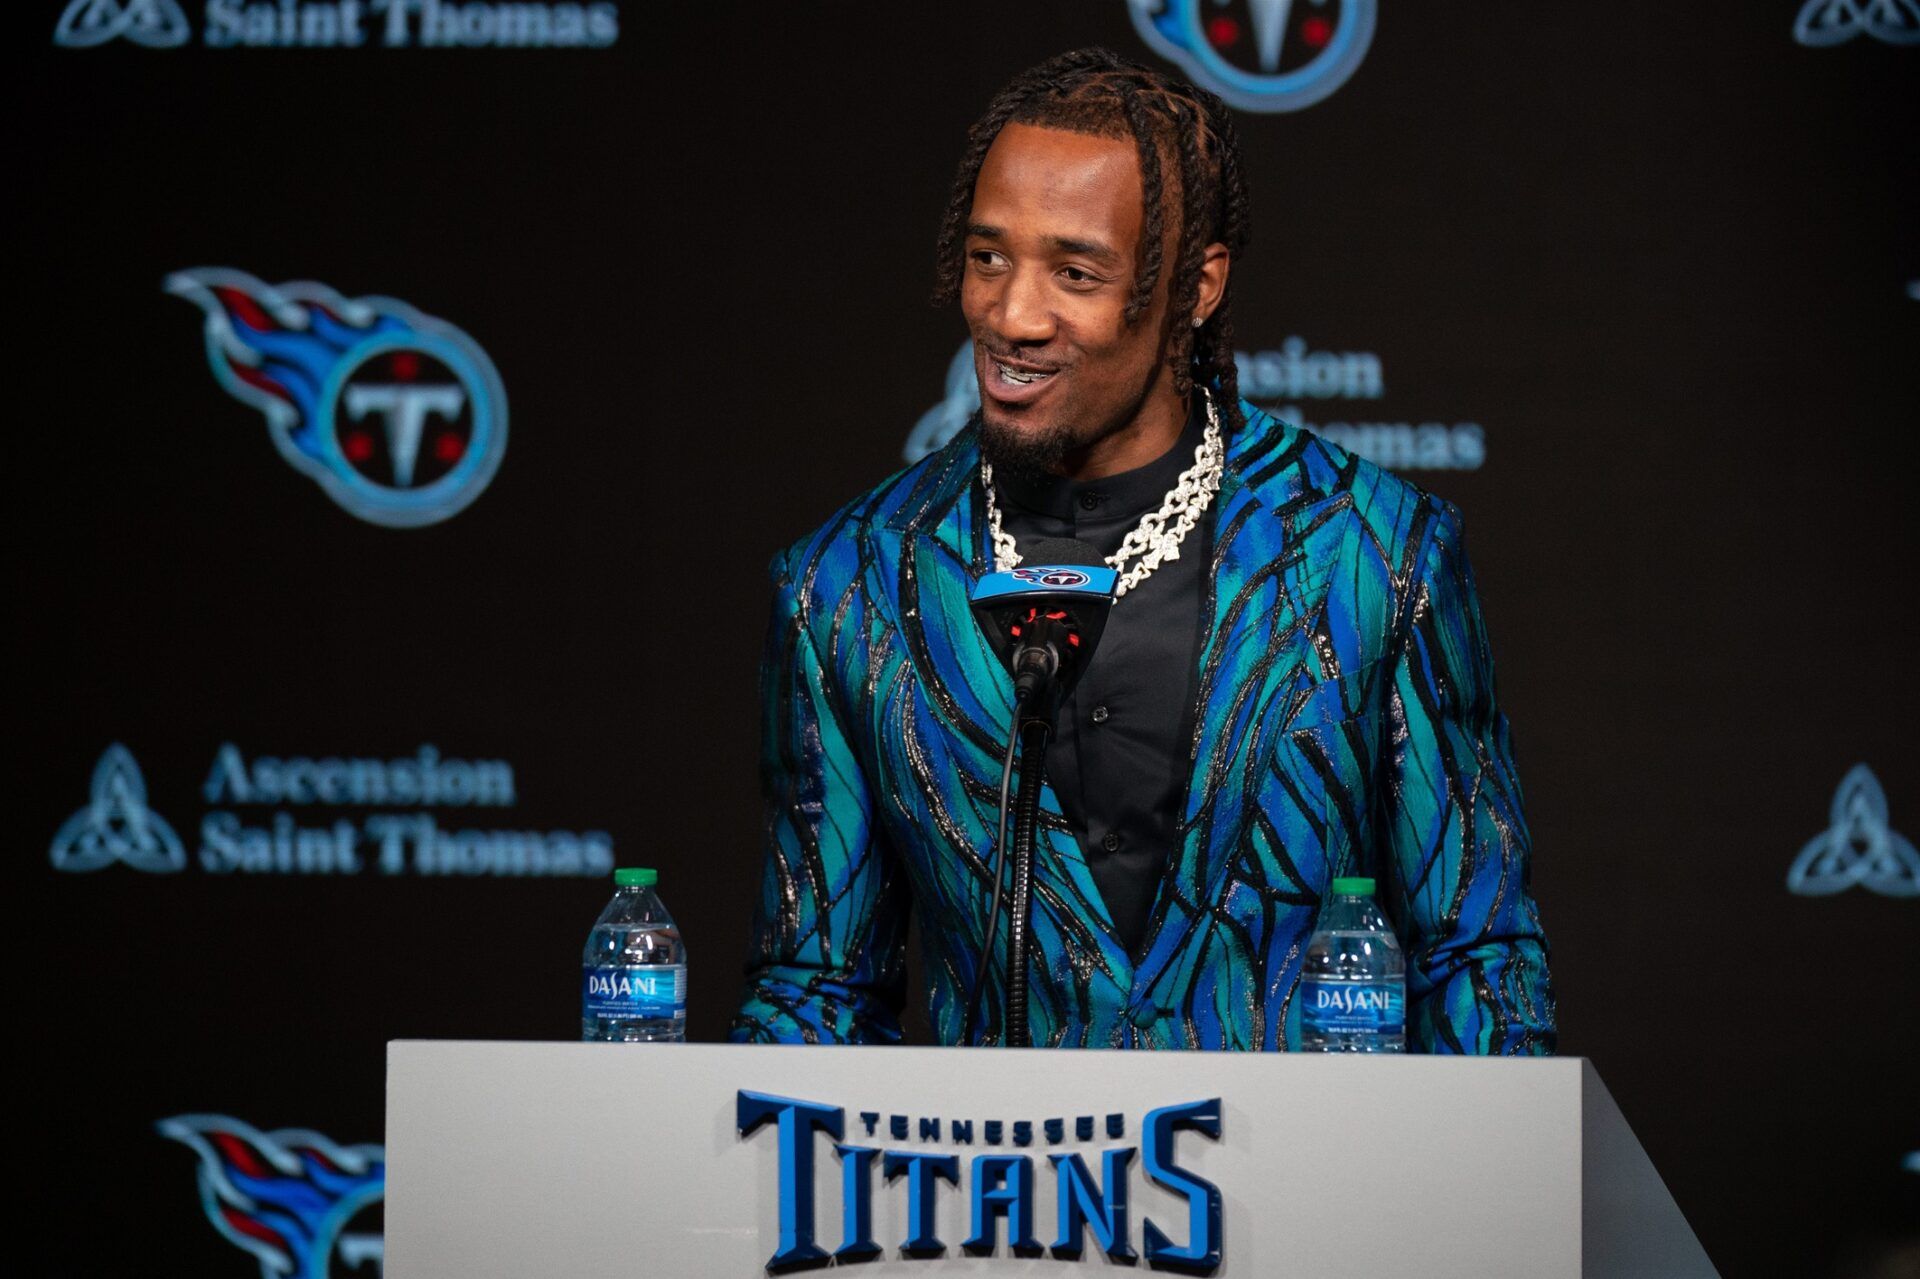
(1090, 500)
(1100, 714)
(1112, 842)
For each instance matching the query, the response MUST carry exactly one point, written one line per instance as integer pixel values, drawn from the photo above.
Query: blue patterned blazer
(1346, 725)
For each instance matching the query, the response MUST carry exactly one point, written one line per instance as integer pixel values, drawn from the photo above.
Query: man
(1294, 686)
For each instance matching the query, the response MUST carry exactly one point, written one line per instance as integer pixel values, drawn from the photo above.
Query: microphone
(1044, 619)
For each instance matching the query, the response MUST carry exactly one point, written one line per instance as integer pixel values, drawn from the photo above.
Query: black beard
(1024, 454)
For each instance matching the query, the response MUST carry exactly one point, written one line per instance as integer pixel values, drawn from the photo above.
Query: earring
(1199, 320)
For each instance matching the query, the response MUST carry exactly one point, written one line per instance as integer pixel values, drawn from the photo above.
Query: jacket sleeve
(827, 959)
(1457, 843)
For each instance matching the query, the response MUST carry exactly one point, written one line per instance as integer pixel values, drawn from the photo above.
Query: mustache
(1015, 358)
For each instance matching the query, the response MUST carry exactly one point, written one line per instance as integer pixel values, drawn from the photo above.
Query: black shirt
(1119, 760)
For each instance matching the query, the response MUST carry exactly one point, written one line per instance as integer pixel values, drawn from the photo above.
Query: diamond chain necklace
(1152, 540)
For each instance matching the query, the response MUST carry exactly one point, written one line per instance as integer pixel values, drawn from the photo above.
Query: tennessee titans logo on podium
(1858, 846)
(1260, 55)
(304, 1207)
(398, 416)
(116, 825)
(158, 24)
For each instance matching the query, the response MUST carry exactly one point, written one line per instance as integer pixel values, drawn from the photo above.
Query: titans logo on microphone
(1052, 576)
(398, 416)
(303, 1206)
(1260, 55)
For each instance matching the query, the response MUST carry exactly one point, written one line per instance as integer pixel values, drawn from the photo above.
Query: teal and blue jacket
(1346, 726)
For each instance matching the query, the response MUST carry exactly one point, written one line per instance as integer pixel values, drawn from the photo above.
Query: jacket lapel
(1253, 656)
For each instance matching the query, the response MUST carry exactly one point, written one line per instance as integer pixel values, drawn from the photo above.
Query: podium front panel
(627, 1160)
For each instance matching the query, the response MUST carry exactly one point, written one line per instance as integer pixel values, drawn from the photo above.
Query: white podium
(530, 1159)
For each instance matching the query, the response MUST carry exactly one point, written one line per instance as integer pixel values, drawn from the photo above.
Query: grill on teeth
(1014, 375)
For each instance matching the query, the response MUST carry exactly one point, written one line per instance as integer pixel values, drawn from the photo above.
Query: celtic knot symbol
(1828, 22)
(116, 825)
(1858, 847)
(158, 24)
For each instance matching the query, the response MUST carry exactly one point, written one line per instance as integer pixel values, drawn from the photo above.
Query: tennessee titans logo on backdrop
(116, 825)
(1858, 846)
(1260, 55)
(398, 416)
(304, 1207)
(158, 24)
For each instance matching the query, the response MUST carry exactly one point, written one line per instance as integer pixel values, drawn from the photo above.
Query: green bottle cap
(638, 877)
(1353, 886)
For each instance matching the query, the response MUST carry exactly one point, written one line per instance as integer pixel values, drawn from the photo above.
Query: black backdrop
(1662, 262)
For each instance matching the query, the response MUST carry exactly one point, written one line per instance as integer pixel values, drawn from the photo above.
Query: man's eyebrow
(1087, 248)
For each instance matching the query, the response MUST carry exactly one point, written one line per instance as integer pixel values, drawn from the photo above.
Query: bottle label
(1353, 1007)
(621, 992)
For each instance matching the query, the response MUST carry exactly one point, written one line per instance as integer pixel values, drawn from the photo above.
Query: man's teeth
(1017, 377)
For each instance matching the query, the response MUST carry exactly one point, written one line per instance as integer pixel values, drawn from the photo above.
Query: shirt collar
(1127, 494)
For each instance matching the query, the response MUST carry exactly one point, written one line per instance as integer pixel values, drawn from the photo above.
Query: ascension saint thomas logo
(158, 24)
(116, 825)
(1858, 846)
(1828, 22)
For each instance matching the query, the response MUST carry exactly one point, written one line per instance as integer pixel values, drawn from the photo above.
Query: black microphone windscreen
(1062, 550)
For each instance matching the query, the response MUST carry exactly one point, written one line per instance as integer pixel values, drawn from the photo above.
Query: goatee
(1028, 453)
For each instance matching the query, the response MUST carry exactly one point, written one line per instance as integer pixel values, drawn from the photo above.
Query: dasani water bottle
(1353, 984)
(633, 981)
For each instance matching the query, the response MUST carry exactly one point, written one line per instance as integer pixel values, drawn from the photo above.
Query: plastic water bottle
(1353, 985)
(633, 981)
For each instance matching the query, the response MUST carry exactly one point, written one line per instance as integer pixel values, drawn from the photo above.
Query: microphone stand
(1036, 732)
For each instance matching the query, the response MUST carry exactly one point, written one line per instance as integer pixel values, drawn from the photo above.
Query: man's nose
(1025, 312)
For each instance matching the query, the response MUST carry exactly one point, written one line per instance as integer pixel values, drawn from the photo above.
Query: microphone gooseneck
(1035, 734)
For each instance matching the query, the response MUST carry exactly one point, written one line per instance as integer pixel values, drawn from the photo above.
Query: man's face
(1051, 256)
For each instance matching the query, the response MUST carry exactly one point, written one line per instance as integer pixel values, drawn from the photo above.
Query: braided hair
(1172, 123)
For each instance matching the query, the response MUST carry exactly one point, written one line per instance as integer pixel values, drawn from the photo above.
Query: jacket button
(1144, 1018)
(1112, 842)
(1090, 500)
(1100, 714)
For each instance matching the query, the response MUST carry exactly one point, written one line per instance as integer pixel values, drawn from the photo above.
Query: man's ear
(1215, 262)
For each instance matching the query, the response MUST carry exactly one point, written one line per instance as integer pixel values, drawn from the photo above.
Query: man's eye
(1076, 275)
(986, 257)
